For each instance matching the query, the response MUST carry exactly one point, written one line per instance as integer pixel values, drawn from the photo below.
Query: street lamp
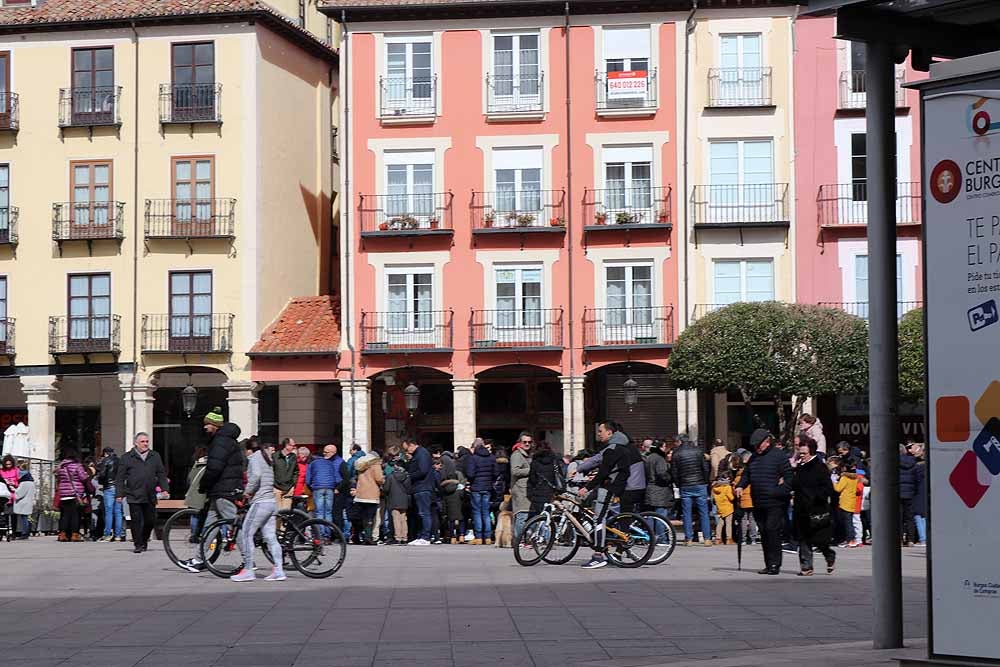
(189, 399)
(631, 392)
(412, 395)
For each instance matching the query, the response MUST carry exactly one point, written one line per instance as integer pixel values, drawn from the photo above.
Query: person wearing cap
(768, 474)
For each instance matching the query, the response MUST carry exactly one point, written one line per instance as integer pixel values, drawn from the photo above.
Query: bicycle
(629, 539)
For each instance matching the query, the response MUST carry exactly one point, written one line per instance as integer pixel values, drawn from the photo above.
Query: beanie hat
(215, 417)
(757, 437)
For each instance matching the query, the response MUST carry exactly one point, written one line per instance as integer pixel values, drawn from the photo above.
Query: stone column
(356, 402)
(40, 397)
(138, 407)
(242, 400)
(464, 410)
(574, 424)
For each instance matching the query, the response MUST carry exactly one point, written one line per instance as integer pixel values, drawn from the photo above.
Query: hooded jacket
(260, 479)
(907, 477)
(397, 489)
(659, 480)
(770, 474)
(636, 466)
(138, 479)
(24, 495)
(370, 478)
(816, 433)
(481, 470)
(224, 469)
(613, 472)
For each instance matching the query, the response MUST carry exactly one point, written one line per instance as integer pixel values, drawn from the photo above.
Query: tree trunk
(783, 429)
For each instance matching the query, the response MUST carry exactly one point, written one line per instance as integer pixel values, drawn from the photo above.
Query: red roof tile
(307, 325)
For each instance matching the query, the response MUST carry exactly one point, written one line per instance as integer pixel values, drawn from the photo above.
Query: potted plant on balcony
(525, 219)
(384, 227)
(625, 218)
(663, 217)
(601, 217)
(557, 222)
(489, 218)
(433, 222)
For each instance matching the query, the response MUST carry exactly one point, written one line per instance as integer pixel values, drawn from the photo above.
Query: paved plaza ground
(101, 605)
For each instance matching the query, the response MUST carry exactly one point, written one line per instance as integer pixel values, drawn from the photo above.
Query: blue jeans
(695, 494)
(921, 523)
(423, 502)
(664, 514)
(520, 519)
(323, 499)
(482, 526)
(113, 522)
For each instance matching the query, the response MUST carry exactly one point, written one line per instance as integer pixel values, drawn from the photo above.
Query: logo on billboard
(983, 315)
(979, 117)
(970, 479)
(946, 181)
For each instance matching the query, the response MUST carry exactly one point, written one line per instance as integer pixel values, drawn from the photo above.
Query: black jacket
(689, 465)
(762, 474)
(907, 477)
(920, 489)
(137, 480)
(542, 478)
(108, 472)
(420, 468)
(286, 471)
(813, 497)
(659, 481)
(224, 470)
(615, 461)
(481, 470)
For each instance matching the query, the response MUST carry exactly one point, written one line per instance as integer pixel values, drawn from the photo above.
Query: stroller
(7, 527)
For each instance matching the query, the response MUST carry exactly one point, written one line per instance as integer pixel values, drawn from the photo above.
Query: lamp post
(412, 395)
(189, 399)
(631, 393)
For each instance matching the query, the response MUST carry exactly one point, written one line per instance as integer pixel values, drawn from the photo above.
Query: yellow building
(166, 185)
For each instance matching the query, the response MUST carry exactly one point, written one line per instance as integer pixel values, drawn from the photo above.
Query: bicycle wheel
(534, 541)
(666, 538)
(629, 539)
(317, 548)
(218, 548)
(178, 540)
(565, 542)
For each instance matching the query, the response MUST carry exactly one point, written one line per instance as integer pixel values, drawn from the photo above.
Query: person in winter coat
(261, 516)
(107, 472)
(716, 455)
(140, 475)
(9, 472)
(330, 482)
(72, 485)
(421, 471)
(691, 472)
(611, 480)
(812, 512)
(452, 491)
(746, 527)
(920, 493)
(194, 498)
(722, 494)
(222, 481)
(907, 491)
(397, 489)
(286, 474)
(659, 482)
(520, 468)
(770, 474)
(481, 469)
(812, 427)
(846, 488)
(24, 501)
(366, 495)
(543, 478)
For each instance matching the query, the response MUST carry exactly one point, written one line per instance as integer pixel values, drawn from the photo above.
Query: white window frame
(630, 201)
(413, 330)
(411, 159)
(741, 82)
(517, 101)
(755, 202)
(402, 101)
(632, 327)
(521, 329)
(742, 262)
(627, 60)
(518, 160)
(861, 305)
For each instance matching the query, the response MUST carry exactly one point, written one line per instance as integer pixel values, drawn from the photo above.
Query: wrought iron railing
(628, 327)
(88, 220)
(843, 204)
(190, 218)
(406, 331)
(10, 111)
(854, 93)
(860, 308)
(516, 329)
(761, 203)
(407, 97)
(87, 107)
(625, 90)
(702, 309)
(85, 335)
(412, 213)
(627, 206)
(524, 209)
(8, 225)
(190, 102)
(7, 329)
(181, 334)
(515, 94)
(739, 87)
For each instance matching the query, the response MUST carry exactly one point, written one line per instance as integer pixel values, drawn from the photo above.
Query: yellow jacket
(724, 496)
(847, 487)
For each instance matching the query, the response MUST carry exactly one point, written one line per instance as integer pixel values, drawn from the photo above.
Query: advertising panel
(627, 85)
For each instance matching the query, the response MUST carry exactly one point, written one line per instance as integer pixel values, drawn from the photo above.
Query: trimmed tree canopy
(911, 356)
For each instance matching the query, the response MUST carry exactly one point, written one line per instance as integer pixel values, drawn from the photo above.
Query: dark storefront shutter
(656, 413)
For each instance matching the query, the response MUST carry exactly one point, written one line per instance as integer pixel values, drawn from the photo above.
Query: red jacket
(300, 483)
(859, 494)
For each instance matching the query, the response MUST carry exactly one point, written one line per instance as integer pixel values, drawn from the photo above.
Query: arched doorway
(431, 421)
(515, 398)
(654, 414)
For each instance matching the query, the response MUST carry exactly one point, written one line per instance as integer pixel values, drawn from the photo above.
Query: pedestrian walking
(72, 485)
(421, 474)
(659, 483)
(482, 471)
(261, 516)
(691, 471)
(813, 490)
(141, 480)
(107, 473)
(768, 473)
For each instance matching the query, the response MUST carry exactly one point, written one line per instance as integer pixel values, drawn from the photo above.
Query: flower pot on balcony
(489, 219)
(384, 227)
(663, 217)
(624, 218)
(557, 222)
(525, 220)
(601, 218)
(433, 223)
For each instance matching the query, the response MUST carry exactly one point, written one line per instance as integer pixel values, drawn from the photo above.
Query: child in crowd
(846, 486)
(722, 492)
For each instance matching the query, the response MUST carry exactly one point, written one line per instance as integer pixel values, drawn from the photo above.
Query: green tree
(772, 350)
(911, 356)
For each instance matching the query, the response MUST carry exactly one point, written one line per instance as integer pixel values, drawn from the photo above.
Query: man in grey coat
(520, 468)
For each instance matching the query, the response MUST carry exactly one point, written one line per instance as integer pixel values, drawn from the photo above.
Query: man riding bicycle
(608, 483)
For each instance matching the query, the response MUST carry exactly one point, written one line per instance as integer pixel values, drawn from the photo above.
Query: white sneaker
(419, 543)
(277, 575)
(243, 575)
(469, 536)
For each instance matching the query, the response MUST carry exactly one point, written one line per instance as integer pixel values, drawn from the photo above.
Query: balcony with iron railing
(748, 205)
(190, 218)
(8, 225)
(10, 112)
(626, 208)
(635, 328)
(98, 334)
(90, 107)
(625, 93)
(853, 90)
(407, 100)
(185, 334)
(414, 214)
(529, 329)
(7, 337)
(88, 221)
(732, 87)
(190, 103)
(860, 308)
(406, 332)
(846, 204)
(517, 97)
(519, 211)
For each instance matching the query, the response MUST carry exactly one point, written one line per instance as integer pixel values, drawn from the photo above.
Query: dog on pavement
(505, 525)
